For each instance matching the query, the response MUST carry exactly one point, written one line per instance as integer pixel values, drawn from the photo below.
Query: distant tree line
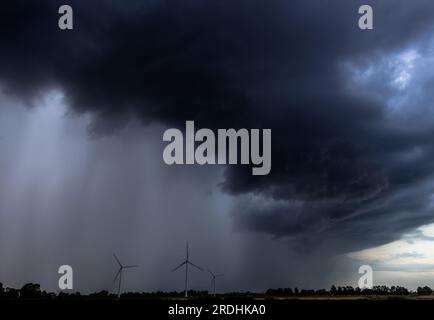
(350, 291)
(33, 291)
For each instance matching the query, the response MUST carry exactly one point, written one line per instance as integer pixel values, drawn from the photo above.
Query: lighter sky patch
(409, 260)
(403, 66)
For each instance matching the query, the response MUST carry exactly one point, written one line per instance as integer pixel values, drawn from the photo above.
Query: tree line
(350, 291)
(33, 291)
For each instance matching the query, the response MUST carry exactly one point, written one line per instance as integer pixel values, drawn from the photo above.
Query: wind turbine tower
(213, 277)
(119, 273)
(185, 263)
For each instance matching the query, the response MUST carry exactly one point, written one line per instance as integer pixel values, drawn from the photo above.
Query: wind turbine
(119, 273)
(186, 263)
(213, 277)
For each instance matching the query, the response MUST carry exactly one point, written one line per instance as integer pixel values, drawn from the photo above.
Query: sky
(83, 112)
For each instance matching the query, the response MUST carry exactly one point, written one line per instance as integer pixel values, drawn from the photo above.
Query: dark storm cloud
(339, 168)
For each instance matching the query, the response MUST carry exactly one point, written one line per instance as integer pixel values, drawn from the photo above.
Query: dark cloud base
(339, 170)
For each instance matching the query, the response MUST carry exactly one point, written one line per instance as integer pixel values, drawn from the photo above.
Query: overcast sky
(82, 114)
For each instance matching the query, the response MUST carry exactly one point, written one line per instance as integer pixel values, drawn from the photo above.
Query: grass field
(373, 297)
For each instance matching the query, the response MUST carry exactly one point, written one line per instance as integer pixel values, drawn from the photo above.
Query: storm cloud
(350, 110)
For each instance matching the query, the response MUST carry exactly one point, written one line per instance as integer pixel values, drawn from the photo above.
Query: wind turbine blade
(132, 266)
(210, 272)
(195, 266)
(117, 274)
(117, 260)
(187, 251)
(179, 266)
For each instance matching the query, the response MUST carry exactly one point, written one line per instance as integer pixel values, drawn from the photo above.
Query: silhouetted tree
(424, 291)
(333, 290)
(398, 291)
(348, 290)
(287, 292)
(305, 292)
(11, 293)
(321, 292)
(30, 291)
(101, 294)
